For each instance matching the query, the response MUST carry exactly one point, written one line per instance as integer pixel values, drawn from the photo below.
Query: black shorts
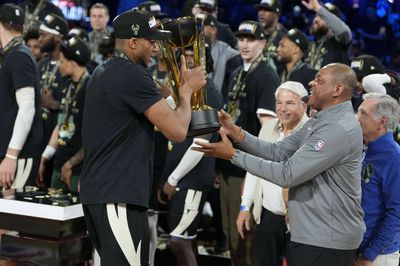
(119, 232)
(185, 211)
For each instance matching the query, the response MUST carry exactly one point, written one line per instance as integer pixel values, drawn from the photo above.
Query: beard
(266, 23)
(284, 59)
(48, 47)
(319, 32)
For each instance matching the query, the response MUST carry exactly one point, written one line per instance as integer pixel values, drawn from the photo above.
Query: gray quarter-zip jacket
(321, 164)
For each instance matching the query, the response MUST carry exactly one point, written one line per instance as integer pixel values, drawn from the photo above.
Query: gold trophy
(188, 31)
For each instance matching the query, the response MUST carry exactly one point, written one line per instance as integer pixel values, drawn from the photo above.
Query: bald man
(320, 163)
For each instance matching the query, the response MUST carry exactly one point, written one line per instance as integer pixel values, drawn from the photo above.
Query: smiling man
(332, 36)
(379, 115)
(320, 163)
(122, 106)
(270, 200)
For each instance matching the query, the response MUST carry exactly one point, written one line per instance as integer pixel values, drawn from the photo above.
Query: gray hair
(386, 106)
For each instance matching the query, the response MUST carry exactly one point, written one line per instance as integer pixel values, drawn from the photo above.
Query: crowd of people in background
(93, 112)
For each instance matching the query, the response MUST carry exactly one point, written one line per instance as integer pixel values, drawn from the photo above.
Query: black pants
(307, 255)
(119, 232)
(270, 240)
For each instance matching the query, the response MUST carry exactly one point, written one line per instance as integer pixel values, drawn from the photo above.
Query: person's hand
(40, 176)
(362, 262)
(169, 190)
(243, 223)
(162, 197)
(287, 218)
(227, 123)
(8, 168)
(311, 4)
(222, 149)
(192, 79)
(66, 173)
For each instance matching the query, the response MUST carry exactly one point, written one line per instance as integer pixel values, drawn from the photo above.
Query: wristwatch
(234, 156)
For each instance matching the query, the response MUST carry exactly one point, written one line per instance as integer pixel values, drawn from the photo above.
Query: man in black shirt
(122, 106)
(31, 39)
(20, 129)
(52, 30)
(66, 140)
(251, 100)
(332, 36)
(291, 50)
(268, 16)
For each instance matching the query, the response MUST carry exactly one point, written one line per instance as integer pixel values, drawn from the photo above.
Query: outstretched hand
(227, 123)
(311, 4)
(222, 149)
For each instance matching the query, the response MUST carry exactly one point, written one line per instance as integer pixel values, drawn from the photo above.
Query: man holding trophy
(122, 107)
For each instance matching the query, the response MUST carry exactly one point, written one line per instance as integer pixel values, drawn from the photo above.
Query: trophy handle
(199, 50)
(171, 65)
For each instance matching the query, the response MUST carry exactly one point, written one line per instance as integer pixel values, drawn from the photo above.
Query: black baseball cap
(154, 8)
(78, 32)
(332, 8)
(270, 5)
(138, 24)
(207, 5)
(12, 14)
(365, 65)
(54, 24)
(299, 38)
(209, 20)
(76, 49)
(250, 28)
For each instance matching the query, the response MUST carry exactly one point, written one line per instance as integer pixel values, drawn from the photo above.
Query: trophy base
(203, 122)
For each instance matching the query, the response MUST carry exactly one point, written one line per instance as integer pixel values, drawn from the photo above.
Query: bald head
(345, 75)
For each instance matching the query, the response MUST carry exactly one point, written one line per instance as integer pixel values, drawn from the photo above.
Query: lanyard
(14, 42)
(239, 88)
(315, 55)
(120, 54)
(71, 94)
(286, 75)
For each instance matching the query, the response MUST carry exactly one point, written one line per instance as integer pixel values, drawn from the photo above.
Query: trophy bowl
(188, 31)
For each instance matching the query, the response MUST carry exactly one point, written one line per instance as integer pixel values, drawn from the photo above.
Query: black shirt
(259, 92)
(323, 52)
(160, 148)
(19, 70)
(51, 80)
(302, 72)
(117, 137)
(70, 127)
